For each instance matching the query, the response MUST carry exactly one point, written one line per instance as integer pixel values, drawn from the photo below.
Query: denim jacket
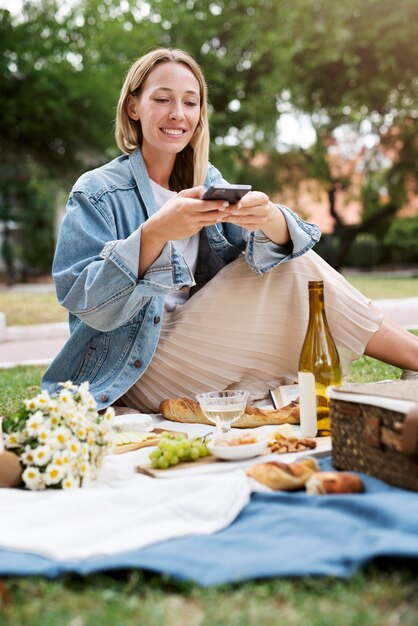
(114, 316)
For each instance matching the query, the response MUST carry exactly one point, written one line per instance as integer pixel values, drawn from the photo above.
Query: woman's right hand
(184, 215)
(180, 217)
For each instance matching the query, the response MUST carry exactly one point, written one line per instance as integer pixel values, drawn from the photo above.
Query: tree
(340, 62)
(370, 77)
(58, 92)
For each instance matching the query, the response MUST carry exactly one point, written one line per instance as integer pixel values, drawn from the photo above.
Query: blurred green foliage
(349, 63)
(402, 239)
(27, 210)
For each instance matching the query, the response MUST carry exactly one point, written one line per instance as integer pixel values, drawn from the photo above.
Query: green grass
(383, 594)
(374, 598)
(31, 308)
(43, 308)
(378, 287)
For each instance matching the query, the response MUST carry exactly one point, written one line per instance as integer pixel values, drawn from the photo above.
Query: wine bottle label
(307, 404)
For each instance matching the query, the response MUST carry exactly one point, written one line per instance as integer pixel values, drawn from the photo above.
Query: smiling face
(168, 109)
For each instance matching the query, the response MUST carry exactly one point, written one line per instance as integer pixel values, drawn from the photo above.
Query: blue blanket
(277, 534)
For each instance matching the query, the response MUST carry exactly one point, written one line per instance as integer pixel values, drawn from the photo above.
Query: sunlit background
(312, 101)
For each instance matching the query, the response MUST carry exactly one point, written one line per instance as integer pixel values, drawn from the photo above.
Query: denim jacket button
(137, 363)
(104, 397)
(157, 319)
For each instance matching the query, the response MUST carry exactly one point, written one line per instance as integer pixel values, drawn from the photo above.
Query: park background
(313, 101)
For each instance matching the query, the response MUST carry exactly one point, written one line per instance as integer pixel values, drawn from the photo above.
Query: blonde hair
(191, 163)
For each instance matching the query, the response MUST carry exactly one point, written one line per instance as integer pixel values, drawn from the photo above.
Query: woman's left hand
(251, 212)
(255, 212)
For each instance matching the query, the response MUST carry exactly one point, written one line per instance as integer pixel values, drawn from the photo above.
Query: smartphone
(230, 193)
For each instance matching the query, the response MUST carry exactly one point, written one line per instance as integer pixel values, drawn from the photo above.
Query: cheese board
(150, 441)
(148, 470)
(214, 463)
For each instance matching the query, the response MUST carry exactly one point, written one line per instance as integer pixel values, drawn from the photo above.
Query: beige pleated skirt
(246, 330)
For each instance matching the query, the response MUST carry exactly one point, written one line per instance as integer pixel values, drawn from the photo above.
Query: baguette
(321, 483)
(188, 411)
(283, 476)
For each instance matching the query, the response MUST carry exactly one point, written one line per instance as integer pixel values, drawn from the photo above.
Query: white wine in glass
(223, 407)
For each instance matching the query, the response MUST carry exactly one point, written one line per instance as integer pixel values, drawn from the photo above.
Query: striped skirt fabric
(246, 330)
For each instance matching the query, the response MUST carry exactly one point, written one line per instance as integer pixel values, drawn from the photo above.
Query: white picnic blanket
(123, 510)
(66, 525)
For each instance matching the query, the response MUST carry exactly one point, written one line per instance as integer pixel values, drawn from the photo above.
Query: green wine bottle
(319, 367)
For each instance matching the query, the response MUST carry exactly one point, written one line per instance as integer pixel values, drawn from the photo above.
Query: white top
(188, 247)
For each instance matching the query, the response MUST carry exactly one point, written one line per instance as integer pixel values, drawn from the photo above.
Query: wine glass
(223, 408)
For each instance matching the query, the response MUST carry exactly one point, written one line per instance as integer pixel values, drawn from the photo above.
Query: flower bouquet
(60, 441)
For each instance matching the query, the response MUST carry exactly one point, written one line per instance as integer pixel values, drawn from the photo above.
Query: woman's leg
(247, 330)
(394, 345)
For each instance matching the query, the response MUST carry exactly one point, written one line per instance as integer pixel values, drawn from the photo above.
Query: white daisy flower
(42, 455)
(84, 469)
(34, 423)
(53, 474)
(61, 436)
(43, 399)
(65, 398)
(81, 433)
(12, 440)
(73, 447)
(28, 456)
(54, 420)
(53, 405)
(31, 404)
(32, 478)
(108, 415)
(62, 458)
(91, 403)
(44, 433)
(70, 482)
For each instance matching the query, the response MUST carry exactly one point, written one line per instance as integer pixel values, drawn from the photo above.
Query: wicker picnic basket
(375, 430)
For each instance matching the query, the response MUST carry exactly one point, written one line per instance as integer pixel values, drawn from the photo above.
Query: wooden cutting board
(130, 447)
(148, 470)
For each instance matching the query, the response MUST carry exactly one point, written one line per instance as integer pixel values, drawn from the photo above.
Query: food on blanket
(173, 450)
(188, 411)
(240, 449)
(284, 476)
(127, 437)
(243, 440)
(334, 482)
(282, 445)
(285, 430)
(139, 422)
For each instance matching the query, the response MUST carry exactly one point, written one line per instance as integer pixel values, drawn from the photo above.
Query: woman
(137, 238)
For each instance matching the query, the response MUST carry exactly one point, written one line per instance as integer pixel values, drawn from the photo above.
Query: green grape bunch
(174, 449)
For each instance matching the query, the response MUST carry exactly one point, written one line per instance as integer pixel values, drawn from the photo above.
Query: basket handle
(403, 437)
(409, 432)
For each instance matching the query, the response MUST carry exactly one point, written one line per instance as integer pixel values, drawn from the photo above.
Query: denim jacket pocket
(93, 360)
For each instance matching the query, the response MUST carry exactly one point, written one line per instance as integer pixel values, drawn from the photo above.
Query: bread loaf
(322, 483)
(283, 476)
(188, 411)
